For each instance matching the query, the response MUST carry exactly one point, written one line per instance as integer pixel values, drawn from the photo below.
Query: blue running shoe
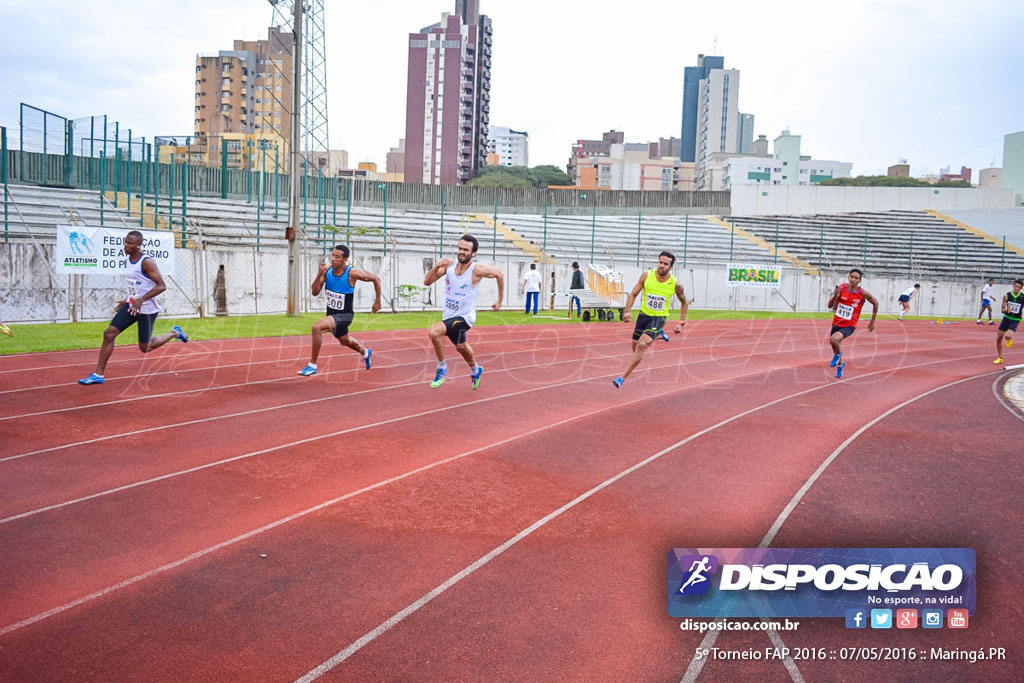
(369, 352)
(310, 369)
(839, 370)
(475, 376)
(617, 382)
(181, 333)
(835, 359)
(93, 378)
(439, 378)
(662, 335)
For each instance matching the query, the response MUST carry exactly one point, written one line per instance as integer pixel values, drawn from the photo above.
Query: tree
(891, 181)
(499, 178)
(516, 176)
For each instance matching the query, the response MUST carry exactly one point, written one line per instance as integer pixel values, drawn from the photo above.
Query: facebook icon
(856, 618)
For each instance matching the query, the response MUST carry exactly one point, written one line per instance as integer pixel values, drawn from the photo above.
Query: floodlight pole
(291, 232)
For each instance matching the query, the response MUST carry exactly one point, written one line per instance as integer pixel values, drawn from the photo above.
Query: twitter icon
(881, 618)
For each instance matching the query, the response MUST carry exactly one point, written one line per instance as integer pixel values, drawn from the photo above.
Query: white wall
(774, 200)
(257, 282)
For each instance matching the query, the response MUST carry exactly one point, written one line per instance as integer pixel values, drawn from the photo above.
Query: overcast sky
(936, 82)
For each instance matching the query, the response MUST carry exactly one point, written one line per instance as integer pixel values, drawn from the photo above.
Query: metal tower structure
(313, 77)
(309, 141)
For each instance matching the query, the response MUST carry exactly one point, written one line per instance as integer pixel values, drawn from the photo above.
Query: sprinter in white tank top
(462, 283)
(139, 307)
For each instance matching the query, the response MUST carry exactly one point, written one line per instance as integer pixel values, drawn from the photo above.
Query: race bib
(335, 300)
(845, 312)
(656, 303)
(450, 305)
(1013, 307)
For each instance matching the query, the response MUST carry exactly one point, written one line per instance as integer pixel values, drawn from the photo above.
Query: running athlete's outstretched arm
(639, 287)
(367, 276)
(482, 271)
(320, 279)
(1002, 308)
(835, 297)
(153, 273)
(874, 309)
(438, 271)
(685, 306)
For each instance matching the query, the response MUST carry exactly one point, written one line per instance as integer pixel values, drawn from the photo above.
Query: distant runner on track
(658, 286)
(138, 307)
(462, 283)
(1013, 302)
(339, 281)
(848, 300)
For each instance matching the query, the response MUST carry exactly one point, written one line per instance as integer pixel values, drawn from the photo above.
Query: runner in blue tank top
(339, 283)
(462, 281)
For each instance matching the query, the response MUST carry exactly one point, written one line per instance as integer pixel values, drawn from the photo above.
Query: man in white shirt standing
(986, 301)
(531, 287)
(904, 300)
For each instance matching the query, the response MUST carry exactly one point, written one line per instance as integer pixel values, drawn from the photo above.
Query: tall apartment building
(717, 118)
(692, 76)
(512, 147)
(448, 97)
(745, 134)
(243, 96)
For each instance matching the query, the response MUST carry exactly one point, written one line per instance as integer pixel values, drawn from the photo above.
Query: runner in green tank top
(1013, 307)
(658, 286)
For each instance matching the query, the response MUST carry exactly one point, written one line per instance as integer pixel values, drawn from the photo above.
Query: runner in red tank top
(848, 300)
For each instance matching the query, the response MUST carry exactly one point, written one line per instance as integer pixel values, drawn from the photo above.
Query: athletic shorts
(904, 299)
(456, 329)
(845, 330)
(123, 320)
(1008, 324)
(985, 303)
(650, 325)
(341, 323)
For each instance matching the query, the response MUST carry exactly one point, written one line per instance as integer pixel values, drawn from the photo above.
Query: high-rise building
(900, 170)
(1013, 164)
(512, 147)
(718, 117)
(448, 97)
(243, 95)
(745, 134)
(395, 160)
(692, 76)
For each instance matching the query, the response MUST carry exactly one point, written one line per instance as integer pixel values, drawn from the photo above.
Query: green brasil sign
(740, 275)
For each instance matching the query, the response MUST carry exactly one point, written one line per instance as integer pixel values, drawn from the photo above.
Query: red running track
(208, 514)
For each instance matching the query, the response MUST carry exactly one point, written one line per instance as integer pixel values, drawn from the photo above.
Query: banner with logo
(741, 275)
(817, 582)
(83, 250)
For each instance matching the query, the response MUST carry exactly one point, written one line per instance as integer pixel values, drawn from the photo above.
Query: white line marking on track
(364, 391)
(695, 666)
(1014, 389)
(206, 551)
(401, 615)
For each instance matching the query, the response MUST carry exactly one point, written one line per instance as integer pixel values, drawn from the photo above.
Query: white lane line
(288, 378)
(243, 456)
(410, 609)
(695, 666)
(371, 334)
(390, 386)
(320, 506)
(1014, 390)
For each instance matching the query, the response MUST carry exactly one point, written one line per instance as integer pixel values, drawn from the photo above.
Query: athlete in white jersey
(462, 282)
(139, 306)
(904, 300)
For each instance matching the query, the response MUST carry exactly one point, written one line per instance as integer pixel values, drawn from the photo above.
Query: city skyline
(932, 83)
